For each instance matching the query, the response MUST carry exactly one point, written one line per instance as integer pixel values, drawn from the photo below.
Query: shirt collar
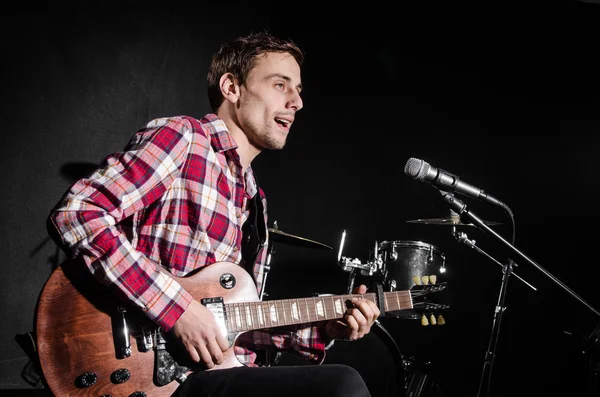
(221, 141)
(220, 138)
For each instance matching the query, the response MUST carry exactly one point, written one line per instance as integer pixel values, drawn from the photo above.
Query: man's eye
(281, 86)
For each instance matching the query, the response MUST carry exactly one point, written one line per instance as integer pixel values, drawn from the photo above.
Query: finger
(215, 352)
(361, 289)
(366, 311)
(205, 355)
(353, 326)
(191, 349)
(222, 342)
(375, 309)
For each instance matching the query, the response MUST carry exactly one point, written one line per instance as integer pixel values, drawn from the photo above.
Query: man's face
(269, 100)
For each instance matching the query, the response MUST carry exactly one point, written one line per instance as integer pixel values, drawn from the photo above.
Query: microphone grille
(416, 168)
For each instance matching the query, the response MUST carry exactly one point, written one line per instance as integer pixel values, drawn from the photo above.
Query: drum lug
(392, 285)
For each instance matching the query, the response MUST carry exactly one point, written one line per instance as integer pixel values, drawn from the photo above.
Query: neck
(246, 150)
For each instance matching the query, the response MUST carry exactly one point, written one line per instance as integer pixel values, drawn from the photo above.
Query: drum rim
(418, 243)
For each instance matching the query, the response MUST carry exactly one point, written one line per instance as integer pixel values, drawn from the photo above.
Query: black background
(504, 96)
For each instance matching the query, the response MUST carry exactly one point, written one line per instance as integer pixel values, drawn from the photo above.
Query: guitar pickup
(217, 307)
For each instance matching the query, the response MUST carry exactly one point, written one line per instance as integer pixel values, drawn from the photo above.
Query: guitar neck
(247, 316)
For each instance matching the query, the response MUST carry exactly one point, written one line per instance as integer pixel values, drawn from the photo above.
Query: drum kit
(398, 265)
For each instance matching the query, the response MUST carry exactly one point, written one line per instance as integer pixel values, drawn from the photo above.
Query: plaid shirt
(174, 197)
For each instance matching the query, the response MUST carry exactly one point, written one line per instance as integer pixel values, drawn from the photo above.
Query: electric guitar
(92, 344)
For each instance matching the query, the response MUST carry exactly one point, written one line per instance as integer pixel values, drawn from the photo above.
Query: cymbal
(280, 237)
(448, 221)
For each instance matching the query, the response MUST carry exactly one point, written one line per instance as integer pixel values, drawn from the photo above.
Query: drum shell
(407, 263)
(405, 260)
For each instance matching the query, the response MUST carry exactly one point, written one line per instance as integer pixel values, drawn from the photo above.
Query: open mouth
(284, 123)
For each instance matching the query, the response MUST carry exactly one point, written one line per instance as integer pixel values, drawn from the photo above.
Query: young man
(182, 197)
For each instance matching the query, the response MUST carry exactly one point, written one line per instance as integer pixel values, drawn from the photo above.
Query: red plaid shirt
(174, 197)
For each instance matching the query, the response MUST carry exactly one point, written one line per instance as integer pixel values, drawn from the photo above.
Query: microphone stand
(459, 207)
(468, 216)
(490, 354)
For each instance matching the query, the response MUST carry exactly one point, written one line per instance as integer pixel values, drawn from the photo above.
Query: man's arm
(86, 219)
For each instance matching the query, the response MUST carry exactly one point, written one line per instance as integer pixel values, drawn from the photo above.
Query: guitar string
(251, 308)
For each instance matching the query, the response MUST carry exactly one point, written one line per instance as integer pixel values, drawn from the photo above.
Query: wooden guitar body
(75, 318)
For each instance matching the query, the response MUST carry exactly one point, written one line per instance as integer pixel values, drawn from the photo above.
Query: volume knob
(86, 379)
(121, 375)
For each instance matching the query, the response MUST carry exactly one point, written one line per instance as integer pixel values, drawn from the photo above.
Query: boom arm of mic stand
(459, 207)
(461, 237)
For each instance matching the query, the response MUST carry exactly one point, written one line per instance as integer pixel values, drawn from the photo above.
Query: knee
(348, 382)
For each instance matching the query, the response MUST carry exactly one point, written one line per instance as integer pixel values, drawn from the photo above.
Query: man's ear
(229, 87)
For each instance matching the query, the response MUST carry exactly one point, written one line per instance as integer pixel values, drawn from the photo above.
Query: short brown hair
(239, 57)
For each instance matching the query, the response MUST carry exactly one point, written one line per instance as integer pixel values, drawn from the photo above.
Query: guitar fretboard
(246, 316)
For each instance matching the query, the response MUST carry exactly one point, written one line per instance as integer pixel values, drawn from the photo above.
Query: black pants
(331, 380)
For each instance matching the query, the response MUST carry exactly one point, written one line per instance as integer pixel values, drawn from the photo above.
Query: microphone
(425, 172)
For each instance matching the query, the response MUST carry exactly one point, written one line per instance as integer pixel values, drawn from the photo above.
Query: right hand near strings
(197, 329)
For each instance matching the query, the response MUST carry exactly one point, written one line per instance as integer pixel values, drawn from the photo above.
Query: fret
(273, 313)
(398, 300)
(339, 308)
(290, 313)
(229, 323)
(238, 320)
(278, 313)
(318, 308)
(285, 321)
(242, 316)
(265, 311)
(333, 309)
(296, 313)
(307, 312)
(314, 310)
(260, 315)
(248, 317)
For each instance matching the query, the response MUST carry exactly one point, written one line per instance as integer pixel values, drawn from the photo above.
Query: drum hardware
(280, 237)
(421, 261)
(352, 265)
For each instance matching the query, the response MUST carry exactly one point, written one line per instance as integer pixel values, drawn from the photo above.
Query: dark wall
(506, 98)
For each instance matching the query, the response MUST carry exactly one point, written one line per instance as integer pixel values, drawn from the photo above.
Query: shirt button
(237, 214)
(235, 249)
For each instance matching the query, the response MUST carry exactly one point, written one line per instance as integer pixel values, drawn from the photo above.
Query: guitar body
(75, 330)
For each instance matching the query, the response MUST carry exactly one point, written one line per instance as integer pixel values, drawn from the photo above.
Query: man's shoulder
(183, 123)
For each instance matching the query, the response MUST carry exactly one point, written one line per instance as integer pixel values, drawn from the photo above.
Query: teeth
(282, 121)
